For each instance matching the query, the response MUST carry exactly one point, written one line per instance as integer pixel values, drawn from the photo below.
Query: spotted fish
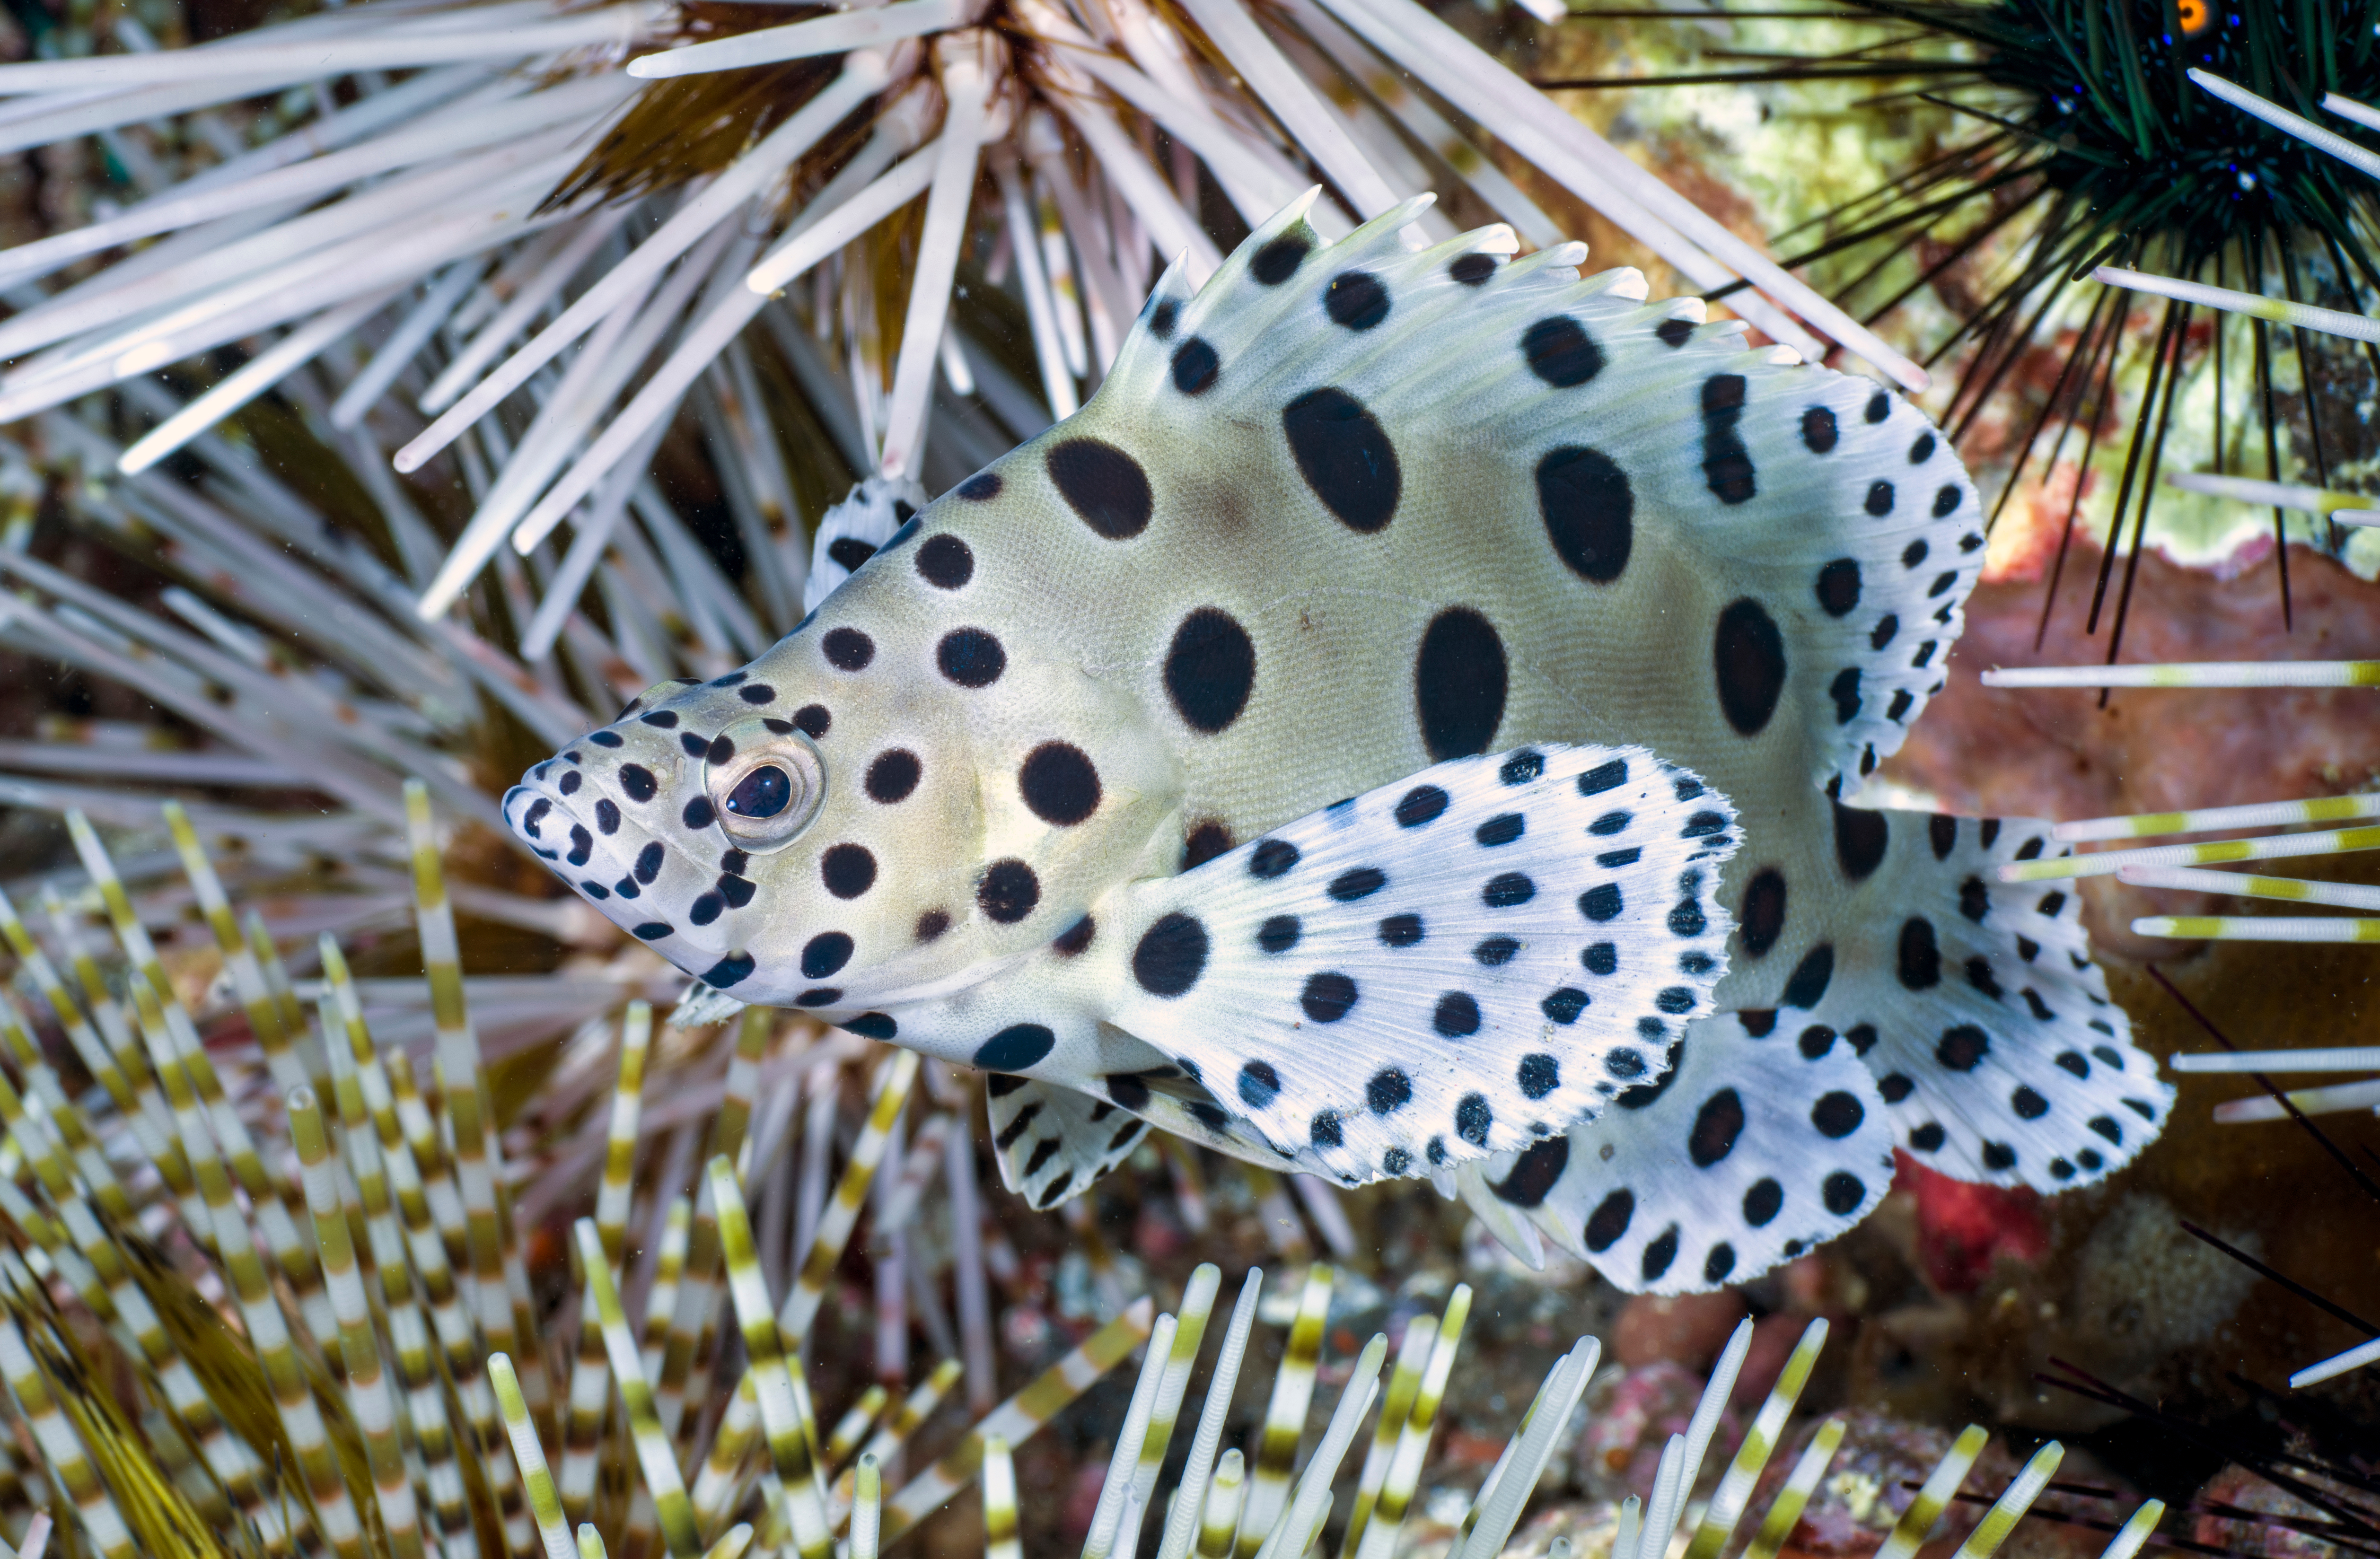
(1400, 726)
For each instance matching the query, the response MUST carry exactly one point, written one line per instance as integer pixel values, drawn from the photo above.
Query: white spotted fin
(1054, 1141)
(1459, 963)
(1749, 1150)
(850, 532)
(1976, 1006)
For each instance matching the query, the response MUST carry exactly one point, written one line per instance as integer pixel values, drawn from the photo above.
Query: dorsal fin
(1827, 503)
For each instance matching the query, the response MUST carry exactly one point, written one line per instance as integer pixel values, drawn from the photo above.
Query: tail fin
(1951, 1015)
(1977, 1007)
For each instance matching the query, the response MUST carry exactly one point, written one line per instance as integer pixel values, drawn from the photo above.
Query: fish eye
(761, 793)
(768, 785)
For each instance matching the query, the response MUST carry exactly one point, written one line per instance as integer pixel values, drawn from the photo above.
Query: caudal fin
(1976, 1006)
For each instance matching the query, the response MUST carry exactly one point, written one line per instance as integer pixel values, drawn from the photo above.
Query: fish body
(1398, 727)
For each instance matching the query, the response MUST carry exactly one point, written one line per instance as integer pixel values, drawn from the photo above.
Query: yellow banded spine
(1396, 1408)
(1000, 1539)
(96, 1056)
(691, 1318)
(48, 1098)
(394, 1217)
(152, 1122)
(293, 1255)
(2014, 1501)
(669, 1271)
(256, 998)
(63, 1453)
(653, 1450)
(368, 1394)
(1190, 1330)
(782, 1415)
(1404, 1480)
(1785, 1510)
(1727, 1501)
(544, 1505)
(301, 1418)
(1015, 1419)
(1220, 1521)
(611, 1199)
(1933, 1496)
(850, 1193)
(854, 1424)
(591, 1395)
(1284, 1420)
(495, 1264)
(449, 1320)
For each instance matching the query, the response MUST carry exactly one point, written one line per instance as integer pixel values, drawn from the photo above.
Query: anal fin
(1759, 1142)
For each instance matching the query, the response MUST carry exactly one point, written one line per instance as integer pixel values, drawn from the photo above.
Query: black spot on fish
(1534, 1177)
(1059, 783)
(971, 658)
(1328, 997)
(1008, 891)
(1171, 955)
(1920, 961)
(1588, 511)
(1210, 668)
(945, 562)
(1763, 919)
(1460, 682)
(1609, 1220)
(1838, 1114)
(1015, 1047)
(1345, 456)
(1456, 1015)
(1748, 663)
(1194, 365)
(1278, 260)
(848, 870)
(824, 954)
(1206, 841)
(847, 649)
(1104, 485)
(893, 775)
(1839, 587)
(1356, 299)
(1861, 839)
(1560, 352)
(1807, 985)
(1726, 464)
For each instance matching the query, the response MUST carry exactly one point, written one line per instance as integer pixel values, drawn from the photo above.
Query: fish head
(915, 786)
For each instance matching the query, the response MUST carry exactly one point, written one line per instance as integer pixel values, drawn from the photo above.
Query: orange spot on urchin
(2024, 543)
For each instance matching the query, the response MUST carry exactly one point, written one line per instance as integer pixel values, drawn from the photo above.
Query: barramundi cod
(1407, 723)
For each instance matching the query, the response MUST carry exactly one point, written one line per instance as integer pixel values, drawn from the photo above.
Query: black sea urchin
(2091, 146)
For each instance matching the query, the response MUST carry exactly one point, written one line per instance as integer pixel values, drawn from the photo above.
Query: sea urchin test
(1396, 729)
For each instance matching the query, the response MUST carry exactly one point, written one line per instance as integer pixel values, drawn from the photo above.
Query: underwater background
(240, 1322)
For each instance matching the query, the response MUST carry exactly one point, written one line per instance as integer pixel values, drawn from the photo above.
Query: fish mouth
(639, 876)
